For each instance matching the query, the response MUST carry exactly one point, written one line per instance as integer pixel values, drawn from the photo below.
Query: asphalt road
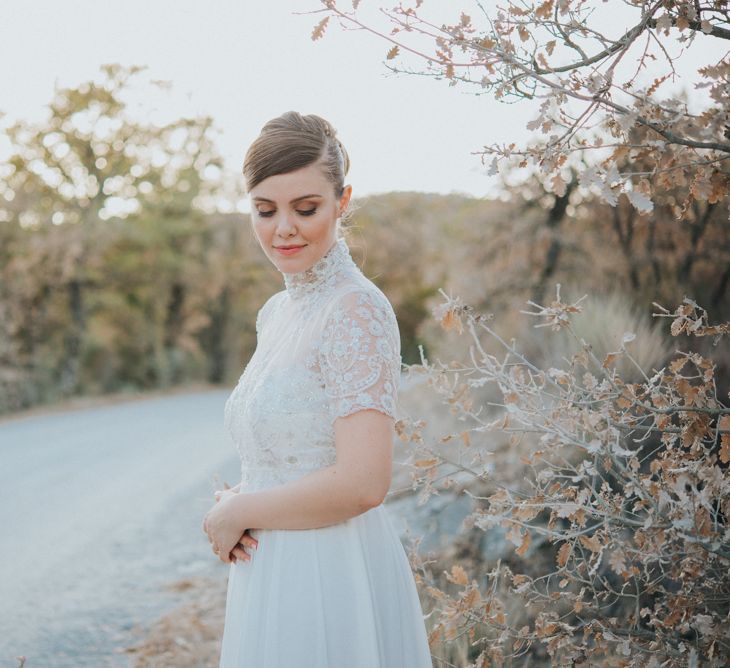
(101, 508)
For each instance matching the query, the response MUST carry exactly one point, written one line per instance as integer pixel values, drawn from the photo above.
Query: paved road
(99, 509)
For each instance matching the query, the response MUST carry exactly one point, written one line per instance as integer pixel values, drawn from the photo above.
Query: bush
(617, 492)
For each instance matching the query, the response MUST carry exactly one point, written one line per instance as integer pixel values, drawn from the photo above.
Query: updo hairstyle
(292, 141)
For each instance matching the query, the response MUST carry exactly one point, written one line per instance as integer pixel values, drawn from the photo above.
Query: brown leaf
(724, 423)
(518, 580)
(563, 554)
(591, 542)
(526, 513)
(392, 53)
(676, 365)
(319, 28)
(608, 360)
(472, 598)
(725, 449)
(451, 321)
(544, 10)
(525, 545)
(559, 186)
(458, 575)
(425, 463)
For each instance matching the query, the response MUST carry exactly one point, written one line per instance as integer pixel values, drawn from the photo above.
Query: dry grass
(189, 636)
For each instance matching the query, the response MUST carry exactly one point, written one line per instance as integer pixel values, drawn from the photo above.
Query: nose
(284, 226)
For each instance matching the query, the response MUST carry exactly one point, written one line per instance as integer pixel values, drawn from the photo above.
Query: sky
(244, 62)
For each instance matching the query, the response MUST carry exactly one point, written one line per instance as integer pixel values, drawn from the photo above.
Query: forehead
(308, 180)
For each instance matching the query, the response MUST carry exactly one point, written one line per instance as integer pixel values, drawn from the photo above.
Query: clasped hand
(224, 536)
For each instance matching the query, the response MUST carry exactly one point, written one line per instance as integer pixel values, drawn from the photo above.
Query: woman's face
(298, 209)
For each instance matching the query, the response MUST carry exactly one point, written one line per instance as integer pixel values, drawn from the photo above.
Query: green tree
(74, 185)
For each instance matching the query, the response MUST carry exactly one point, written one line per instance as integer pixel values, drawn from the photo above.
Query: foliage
(105, 281)
(598, 93)
(626, 483)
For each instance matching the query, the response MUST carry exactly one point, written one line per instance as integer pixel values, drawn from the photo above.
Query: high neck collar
(322, 273)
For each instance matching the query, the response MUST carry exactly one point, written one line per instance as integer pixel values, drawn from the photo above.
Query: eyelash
(268, 214)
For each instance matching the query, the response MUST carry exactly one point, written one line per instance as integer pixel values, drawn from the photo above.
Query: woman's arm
(358, 481)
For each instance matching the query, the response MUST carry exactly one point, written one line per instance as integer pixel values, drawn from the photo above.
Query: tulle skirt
(341, 596)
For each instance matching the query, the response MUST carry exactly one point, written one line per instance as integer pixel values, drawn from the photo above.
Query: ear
(345, 199)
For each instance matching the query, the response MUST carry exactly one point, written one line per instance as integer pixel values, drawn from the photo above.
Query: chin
(293, 267)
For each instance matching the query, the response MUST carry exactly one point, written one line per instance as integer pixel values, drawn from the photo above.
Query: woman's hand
(225, 493)
(246, 540)
(224, 533)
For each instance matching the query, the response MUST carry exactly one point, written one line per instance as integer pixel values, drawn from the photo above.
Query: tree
(71, 182)
(593, 97)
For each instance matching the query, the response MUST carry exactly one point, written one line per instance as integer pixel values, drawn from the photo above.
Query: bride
(318, 576)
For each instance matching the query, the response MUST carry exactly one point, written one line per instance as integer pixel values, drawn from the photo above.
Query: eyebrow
(296, 199)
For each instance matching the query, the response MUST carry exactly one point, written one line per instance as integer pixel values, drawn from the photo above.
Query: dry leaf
(591, 542)
(319, 28)
(563, 554)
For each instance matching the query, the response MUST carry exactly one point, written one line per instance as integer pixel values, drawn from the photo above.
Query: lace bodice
(328, 345)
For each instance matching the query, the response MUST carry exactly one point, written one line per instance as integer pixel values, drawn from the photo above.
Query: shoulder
(364, 304)
(269, 305)
(361, 293)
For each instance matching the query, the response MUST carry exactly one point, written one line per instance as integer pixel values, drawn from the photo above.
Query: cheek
(261, 229)
(319, 227)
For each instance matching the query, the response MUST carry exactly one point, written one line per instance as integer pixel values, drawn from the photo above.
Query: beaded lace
(322, 273)
(328, 345)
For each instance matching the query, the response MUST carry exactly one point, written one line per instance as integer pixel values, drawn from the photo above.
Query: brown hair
(292, 141)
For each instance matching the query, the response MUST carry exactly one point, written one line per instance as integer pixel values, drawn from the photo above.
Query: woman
(318, 577)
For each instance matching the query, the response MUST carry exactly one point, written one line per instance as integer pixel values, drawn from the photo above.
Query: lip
(291, 250)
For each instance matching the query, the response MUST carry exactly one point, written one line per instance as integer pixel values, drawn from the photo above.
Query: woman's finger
(250, 541)
(240, 553)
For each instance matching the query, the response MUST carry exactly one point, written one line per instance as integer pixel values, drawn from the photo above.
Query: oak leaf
(319, 28)
(591, 542)
(563, 554)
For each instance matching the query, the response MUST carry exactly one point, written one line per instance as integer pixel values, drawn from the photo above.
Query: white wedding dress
(341, 596)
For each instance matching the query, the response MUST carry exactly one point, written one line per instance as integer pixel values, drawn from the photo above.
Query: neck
(323, 272)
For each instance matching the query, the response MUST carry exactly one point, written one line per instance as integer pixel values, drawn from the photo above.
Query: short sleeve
(359, 355)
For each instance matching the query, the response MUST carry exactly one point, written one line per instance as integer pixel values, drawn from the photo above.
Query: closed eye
(268, 214)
